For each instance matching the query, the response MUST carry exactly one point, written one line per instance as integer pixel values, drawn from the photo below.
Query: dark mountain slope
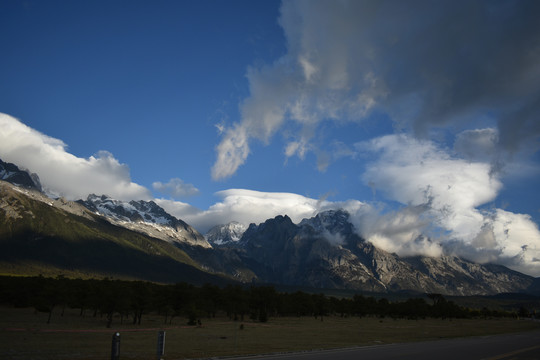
(37, 236)
(325, 252)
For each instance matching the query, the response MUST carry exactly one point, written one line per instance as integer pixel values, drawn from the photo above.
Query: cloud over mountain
(62, 173)
(444, 197)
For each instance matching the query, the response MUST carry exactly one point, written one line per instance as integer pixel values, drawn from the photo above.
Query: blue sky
(421, 118)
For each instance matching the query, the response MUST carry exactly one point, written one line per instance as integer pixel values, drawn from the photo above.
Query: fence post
(115, 349)
(160, 344)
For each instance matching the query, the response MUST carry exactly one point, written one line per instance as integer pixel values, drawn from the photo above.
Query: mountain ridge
(13, 174)
(324, 251)
(39, 236)
(145, 217)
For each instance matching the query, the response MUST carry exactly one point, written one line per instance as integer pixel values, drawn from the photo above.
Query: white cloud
(401, 232)
(245, 206)
(442, 197)
(232, 152)
(416, 172)
(518, 240)
(176, 188)
(62, 173)
(298, 148)
(249, 206)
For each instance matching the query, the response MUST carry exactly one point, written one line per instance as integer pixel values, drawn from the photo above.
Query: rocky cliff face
(11, 173)
(326, 252)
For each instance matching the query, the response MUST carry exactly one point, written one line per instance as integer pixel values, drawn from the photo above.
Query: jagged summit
(13, 174)
(225, 234)
(332, 221)
(326, 252)
(132, 211)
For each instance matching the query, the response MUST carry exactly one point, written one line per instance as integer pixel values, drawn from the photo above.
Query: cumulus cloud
(176, 188)
(517, 240)
(401, 231)
(425, 64)
(417, 172)
(62, 173)
(442, 198)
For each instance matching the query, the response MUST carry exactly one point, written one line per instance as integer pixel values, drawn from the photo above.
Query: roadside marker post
(115, 349)
(160, 344)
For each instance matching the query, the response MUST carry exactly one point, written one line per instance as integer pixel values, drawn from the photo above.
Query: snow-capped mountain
(40, 235)
(11, 173)
(331, 221)
(146, 217)
(225, 234)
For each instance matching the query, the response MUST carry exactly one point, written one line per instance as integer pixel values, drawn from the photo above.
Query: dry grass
(24, 334)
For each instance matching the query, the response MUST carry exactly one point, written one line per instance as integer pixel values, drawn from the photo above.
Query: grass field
(24, 334)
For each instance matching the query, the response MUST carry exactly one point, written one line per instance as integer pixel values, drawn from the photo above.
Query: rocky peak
(331, 221)
(146, 217)
(270, 233)
(13, 174)
(225, 234)
(277, 223)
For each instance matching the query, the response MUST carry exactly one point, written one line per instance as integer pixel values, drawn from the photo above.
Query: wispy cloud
(176, 188)
(62, 173)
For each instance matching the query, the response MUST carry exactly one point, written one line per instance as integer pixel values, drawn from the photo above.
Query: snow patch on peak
(332, 221)
(146, 217)
(225, 233)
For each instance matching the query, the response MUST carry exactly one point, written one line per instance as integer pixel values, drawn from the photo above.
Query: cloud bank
(62, 173)
(425, 64)
(444, 200)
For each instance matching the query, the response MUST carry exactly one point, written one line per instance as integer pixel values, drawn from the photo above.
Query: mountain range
(101, 236)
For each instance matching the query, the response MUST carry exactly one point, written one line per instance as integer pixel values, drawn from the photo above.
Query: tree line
(129, 301)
